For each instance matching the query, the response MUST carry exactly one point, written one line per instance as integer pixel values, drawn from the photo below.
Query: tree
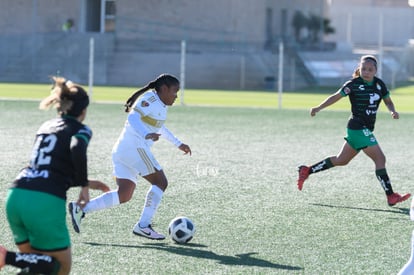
(299, 21)
(315, 23)
(314, 27)
(327, 28)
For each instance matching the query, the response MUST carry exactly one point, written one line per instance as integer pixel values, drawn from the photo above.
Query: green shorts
(38, 218)
(360, 139)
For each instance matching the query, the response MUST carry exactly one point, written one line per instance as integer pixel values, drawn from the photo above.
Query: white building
(230, 44)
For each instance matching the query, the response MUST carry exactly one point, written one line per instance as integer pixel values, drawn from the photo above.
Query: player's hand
(395, 115)
(83, 196)
(185, 148)
(314, 110)
(153, 136)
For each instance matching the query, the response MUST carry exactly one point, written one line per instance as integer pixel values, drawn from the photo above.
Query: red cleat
(395, 198)
(303, 175)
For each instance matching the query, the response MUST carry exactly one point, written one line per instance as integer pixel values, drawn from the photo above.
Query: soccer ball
(181, 230)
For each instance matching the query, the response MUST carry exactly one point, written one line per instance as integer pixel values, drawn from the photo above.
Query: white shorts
(130, 161)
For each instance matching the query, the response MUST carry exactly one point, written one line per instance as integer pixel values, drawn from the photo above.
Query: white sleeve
(134, 119)
(165, 133)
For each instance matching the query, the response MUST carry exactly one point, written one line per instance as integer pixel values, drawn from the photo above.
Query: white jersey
(152, 110)
(131, 154)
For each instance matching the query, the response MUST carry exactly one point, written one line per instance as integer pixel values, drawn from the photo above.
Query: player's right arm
(134, 119)
(327, 102)
(141, 109)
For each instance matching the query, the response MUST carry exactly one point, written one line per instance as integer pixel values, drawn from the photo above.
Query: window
(110, 12)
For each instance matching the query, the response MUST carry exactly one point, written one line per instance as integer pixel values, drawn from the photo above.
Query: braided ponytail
(163, 79)
(134, 96)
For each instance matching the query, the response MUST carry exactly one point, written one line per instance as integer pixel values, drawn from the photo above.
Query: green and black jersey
(365, 99)
(58, 159)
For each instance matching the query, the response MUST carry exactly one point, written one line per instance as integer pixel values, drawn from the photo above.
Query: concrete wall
(355, 21)
(219, 34)
(358, 22)
(27, 16)
(35, 58)
(236, 20)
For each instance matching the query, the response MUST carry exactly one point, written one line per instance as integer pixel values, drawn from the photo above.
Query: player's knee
(125, 194)
(124, 197)
(162, 184)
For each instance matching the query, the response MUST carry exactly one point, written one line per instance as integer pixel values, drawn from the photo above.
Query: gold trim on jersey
(149, 120)
(152, 121)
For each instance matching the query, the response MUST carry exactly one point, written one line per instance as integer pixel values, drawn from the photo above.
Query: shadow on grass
(192, 250)
(396, 210)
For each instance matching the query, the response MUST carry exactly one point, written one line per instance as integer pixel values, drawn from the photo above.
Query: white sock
(152, 201)
(104, 201)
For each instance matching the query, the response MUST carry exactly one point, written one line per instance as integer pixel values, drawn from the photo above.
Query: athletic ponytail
(68, 98)
(357, 73)
(134, 96)
(163, 79)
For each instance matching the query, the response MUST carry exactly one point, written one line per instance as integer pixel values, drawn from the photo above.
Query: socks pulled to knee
(152, 201)
(322, 165)
(33, 263)
(384, 180)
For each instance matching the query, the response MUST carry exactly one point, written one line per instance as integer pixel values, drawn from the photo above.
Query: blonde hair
(67, 97)
(364, 58)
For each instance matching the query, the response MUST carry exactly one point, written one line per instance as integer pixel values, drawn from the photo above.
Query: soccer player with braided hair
(365, 92)
(132, 156)
(36, 201)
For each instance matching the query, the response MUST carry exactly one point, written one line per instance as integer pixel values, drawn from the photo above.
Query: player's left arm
(185, 148)
(165, 133)
(390, 106)
(78, 148)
